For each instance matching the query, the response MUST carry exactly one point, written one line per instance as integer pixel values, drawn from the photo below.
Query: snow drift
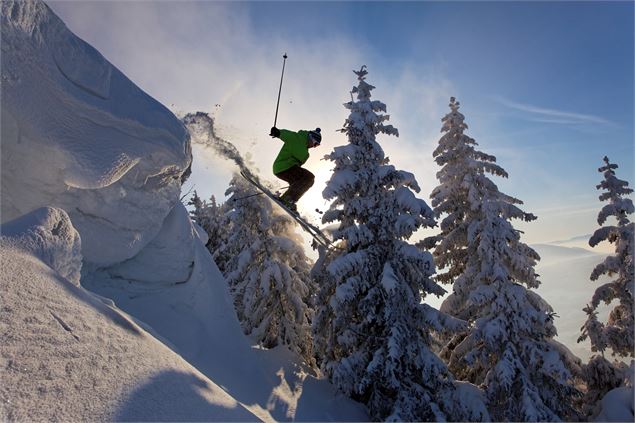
(168, 258)
(77, 134)
(48, 234)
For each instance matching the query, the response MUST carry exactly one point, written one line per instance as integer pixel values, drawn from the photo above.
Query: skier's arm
(289, 136)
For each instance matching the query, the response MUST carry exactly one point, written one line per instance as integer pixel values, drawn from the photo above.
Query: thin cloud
(557, 121)
(546, 115)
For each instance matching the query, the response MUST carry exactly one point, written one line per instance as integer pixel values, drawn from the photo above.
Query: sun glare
(313, 199)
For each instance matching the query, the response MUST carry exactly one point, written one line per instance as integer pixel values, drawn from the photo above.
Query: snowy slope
(70, 354)
(198, 319)
(78, 135)
(67, 355)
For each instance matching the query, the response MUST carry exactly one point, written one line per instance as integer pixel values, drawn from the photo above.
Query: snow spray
(201, 128)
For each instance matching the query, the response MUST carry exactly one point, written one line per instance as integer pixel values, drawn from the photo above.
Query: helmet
(315, 136)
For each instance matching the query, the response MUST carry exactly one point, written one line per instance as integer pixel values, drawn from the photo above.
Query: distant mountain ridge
(550, 253)
(580, 238)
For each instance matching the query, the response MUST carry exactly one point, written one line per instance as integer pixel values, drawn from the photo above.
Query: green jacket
(294, 151)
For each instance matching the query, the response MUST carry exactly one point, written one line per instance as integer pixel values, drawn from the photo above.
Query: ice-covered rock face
(78, 135)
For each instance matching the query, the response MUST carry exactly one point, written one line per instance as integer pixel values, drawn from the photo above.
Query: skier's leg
(299, 179)
(290, 177)
(305, 181)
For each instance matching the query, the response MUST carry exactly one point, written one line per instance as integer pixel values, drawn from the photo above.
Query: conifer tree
(209, 216)
(508, 348)
(617, 332)
(372, 332)
(267, 271)
(323, 338)
(197, 214)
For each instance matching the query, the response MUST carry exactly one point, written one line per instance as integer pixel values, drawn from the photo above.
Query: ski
(309, 228)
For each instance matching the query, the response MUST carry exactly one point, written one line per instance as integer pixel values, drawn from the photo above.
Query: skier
(288, 164)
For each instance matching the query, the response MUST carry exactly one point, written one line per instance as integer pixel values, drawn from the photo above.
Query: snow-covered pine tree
(373, 332)
(323, 316)
(198, 215)
(267, 271)
(211, 217)
(617, 333)
(508, 348)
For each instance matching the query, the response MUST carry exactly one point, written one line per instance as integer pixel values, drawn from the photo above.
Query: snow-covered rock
(47, 233)
(78, 135)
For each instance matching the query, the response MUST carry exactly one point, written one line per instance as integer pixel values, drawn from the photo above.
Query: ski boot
(289, 204)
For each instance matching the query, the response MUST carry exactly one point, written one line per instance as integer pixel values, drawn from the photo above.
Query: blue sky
(546, 87)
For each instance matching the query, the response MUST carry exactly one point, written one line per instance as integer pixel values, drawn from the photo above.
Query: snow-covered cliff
(77, 134)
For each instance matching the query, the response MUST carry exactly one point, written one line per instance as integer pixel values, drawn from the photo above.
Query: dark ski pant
(299, 179)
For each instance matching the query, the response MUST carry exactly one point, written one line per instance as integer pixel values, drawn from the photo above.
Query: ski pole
(247, 196)
(275, 120)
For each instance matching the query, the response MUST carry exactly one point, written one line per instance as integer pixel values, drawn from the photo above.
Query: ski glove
(275, 132)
